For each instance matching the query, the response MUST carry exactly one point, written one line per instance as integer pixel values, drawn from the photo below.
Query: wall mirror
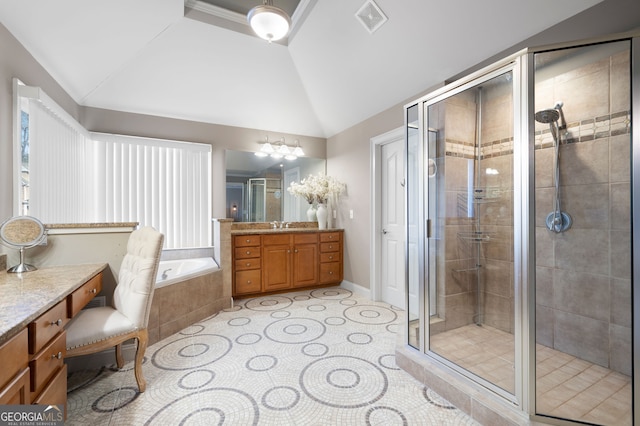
(257, 187)
(22, 232)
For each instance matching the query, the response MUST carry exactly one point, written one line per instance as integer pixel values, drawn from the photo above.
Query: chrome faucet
(275, 224)
(164, 274)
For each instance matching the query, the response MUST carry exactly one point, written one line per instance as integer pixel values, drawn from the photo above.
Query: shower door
(468, 180)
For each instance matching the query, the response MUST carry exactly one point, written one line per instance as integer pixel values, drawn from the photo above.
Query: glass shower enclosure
(519, 213)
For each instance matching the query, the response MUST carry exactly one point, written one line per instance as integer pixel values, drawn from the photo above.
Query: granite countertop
(91, 225)
(281, 231)
(25, 296)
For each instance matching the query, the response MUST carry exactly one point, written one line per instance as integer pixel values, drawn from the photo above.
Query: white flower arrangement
(317, 188)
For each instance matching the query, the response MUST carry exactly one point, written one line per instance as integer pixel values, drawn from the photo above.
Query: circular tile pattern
(316, 308)
(196, 379)
(331, 293)
(359, 338)
(335, 321)
(349, 302)
(315, 349)
(248, 339)
(332, 381)
(301, 298)
(115, 399)
(380, 415)
(270, 303)
(239, 322)
(261, 363)
(436, 399)
(171, 356)
(220, 404)
(281, 398)
(280, 314)
(192, 351)
(343, 378)
(295, 330)
(193, 329)
(370, 314)
(388, 362)
(393, 328)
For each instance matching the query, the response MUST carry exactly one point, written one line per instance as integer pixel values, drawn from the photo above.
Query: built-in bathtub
(174, 271)
(187, 291)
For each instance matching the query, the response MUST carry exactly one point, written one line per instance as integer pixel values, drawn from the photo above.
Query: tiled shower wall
(583, 276)
(478, 286)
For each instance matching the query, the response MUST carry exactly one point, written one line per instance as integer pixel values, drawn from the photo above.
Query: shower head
(547, 116)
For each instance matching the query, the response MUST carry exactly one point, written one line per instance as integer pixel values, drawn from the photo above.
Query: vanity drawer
(47, 326)
(17, 391)
(310, 238)
(329, 236)
(55, 393)
(276, 240)
(83, 295)
(329, 247)
(246, 240)
(245, 264)
(329, 257)
(15, 357)
(47, 362)
(330, 272)
(248, 281)
(246, 252)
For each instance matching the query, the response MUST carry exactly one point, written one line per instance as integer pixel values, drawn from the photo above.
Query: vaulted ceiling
(190, 60)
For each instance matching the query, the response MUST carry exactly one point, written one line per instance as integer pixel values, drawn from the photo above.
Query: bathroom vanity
(34, 308)
(269, 261)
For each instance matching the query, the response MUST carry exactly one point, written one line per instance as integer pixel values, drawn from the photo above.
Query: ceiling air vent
(371, 16)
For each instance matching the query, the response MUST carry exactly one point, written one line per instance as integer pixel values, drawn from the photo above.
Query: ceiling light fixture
(269, 22)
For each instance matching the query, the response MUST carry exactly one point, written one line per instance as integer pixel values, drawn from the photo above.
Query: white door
(392, 268)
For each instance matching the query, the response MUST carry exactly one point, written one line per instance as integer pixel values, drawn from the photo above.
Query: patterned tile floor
(321, 357)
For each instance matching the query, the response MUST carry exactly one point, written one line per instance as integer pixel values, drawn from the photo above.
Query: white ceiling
(145, 56)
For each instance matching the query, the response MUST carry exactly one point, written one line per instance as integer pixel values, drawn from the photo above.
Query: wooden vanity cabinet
(276, 253)
(305, 260)
(331, 265)
(33, 360)
(288, 260)
(247, 262)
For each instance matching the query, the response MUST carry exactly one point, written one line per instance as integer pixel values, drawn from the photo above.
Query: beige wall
(347, 153)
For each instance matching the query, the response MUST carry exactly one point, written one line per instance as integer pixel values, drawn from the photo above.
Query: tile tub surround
(320, 357)
(184, 303)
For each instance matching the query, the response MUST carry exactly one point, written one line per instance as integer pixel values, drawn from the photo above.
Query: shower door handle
(428, 225)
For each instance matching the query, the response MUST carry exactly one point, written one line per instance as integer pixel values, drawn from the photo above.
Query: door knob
(384, 231)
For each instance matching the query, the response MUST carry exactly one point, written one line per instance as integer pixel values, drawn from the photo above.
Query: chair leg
(119, 358)
(143, 338)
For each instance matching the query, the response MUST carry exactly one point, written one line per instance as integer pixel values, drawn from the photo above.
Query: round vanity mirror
(22, 232)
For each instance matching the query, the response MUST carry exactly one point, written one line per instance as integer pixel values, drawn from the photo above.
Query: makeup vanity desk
(34, 308)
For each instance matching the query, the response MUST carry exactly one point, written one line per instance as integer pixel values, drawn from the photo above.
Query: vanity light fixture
(269, 22)
(279, 150)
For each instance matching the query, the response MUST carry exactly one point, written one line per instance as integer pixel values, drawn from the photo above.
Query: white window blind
(165, 184)
(62, 180)
(81, 177)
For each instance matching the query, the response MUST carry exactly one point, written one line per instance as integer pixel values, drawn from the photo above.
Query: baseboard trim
(356, 288)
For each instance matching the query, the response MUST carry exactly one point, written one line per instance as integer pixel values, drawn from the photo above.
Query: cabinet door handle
(58, 323)
(330, 272)
(296, 250)
(93, 291)
(58, 355)
(248, 264)
(330, 257)
(248, 252)
(248, 240)
(248, 281)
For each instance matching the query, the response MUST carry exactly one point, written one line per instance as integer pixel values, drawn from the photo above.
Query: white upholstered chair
(96, 329)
